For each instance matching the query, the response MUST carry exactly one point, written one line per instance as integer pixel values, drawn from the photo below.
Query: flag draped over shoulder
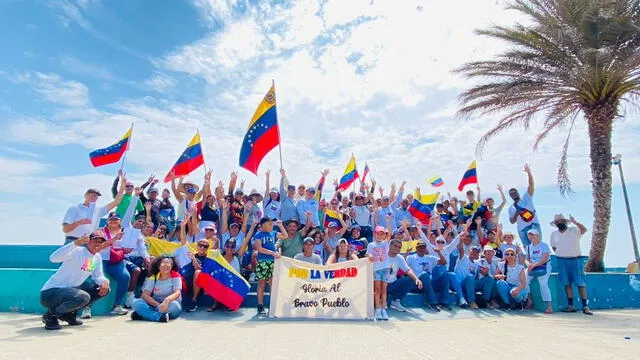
(262, 134)
(423, 205)
(111, 154)
(350, 175)
(217, 278)
(332, 216)
(190, 159)
(470, 176)
(436, 181)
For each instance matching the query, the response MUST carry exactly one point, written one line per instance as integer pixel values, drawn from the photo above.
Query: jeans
(121, 276)
(427, 289)
(399, 288)
(151, 313)
(504, 290)
(60, 301)
(441, 284)
(454, 284)
(523, 234)
(470, 285)
(543, 281)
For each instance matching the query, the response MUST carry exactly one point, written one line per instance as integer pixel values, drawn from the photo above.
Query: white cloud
(55, 89)
(160, 82)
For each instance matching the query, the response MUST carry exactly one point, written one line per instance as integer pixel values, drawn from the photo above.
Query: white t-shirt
(567, 244)
(464, 267)
(535, 252)
(362, 215)
(483, 263)
(239, 240)
(380, 252)
(77, 265)
(517, 248)
(422, 264)
(526, 203)
(513, 273)
(81, 211)
(396, 263)
(313, 259)
(272, 208)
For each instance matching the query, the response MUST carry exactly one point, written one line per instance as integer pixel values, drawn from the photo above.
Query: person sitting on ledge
(66, 291)
(161, 293)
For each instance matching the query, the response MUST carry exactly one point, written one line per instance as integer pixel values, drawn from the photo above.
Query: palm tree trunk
(600, 123)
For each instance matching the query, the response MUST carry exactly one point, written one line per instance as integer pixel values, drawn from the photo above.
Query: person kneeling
(66, 291)
(160, 300)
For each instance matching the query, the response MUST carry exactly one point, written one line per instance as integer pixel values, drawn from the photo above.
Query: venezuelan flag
(262, 135)
(332, 216)
(112, 153)
(350, 175)
(436, 181)
(423, 205)
(470, 176)
(365, 173)
(190, 159)
(222, 282)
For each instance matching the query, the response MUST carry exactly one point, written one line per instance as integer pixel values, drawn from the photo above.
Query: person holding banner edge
(378, 252)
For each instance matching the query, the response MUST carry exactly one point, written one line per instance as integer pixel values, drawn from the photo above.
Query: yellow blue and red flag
(436, 181)
(332, 216)
(262, 135)
(190, 159)
(470, 176)
(111, 154)
(422, 205)
(350, 175)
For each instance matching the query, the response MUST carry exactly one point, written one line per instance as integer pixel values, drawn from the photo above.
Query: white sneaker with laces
(86, 313)
(396, 305)
(378, 314)
(384, 315)
(252, 277)
(119, 310)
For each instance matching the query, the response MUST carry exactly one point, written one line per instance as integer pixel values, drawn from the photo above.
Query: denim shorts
(571, 271)
(380, 275)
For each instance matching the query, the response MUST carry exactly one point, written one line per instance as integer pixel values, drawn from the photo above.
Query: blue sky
(362, 77)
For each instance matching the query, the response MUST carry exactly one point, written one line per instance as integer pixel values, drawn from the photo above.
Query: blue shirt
(268, 241)
(401, 215)
(311, 206)
(383, 212)
(288, 209)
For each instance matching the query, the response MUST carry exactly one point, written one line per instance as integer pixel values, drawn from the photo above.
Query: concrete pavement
(462, 334)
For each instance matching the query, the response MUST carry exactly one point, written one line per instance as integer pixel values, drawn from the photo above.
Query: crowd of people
(459, 255)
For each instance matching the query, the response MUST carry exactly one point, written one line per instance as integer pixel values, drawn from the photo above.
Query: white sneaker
(119, 310)
(378, 314)
(396, 305)
(384, 315)
(129, 300)
(252, 277)
(86, 313)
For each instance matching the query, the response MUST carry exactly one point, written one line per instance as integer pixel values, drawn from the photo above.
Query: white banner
(337, 291)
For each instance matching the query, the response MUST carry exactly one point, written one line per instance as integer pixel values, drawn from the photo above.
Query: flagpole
(273, 84)
(124, 156)
(204, 162)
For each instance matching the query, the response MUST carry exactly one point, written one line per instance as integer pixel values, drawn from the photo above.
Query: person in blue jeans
(482, 279)
(161, 293)
(511, 282)
(397, 288)
(422, 264)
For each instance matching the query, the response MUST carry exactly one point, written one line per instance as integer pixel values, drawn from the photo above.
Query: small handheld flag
(262, 135)
(350, 175)
(436, 181)
(190, 159)
(470, 176)
(365, 173)
(112, 153)
(332, 216)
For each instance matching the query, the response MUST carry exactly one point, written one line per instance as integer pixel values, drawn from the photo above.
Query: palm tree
(575, 57)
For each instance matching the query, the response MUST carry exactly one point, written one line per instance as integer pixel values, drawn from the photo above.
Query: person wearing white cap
(539, 266)
(287, 198)
(565, 242)
(308, 204)
(307, 254)
(482, 279)
(271, 204)
(466, 269)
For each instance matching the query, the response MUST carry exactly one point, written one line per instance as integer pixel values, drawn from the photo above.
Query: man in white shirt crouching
(66, 291)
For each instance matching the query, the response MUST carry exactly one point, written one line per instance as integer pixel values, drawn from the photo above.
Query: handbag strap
(154, 285)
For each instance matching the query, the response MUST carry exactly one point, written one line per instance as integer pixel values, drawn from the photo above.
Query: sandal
(212, 308)
(569, 309)
(587, 311)
(548, 311)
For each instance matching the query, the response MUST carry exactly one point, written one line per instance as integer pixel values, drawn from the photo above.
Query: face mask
(562, 226)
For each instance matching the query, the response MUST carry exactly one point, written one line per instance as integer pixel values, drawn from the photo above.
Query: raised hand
(151, 178)
(325, 173)
(499, 187)
(282, 172)
(572, 219)
(527, 169)
(82, 240)
(242, 184)
(234, 176)
(268, 173)
(137, 191)
(120, 173)
(335, 183)
(147, 206)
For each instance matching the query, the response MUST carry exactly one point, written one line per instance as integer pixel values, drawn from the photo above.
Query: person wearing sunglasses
(66, 290)
(161, 293)
(191, 270)
(511, 282)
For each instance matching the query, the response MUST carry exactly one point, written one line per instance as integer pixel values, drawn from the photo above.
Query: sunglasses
(209, 230)
(229, 245)
(440, 242)
(204, 246)
(509, 254)
(129, 186)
